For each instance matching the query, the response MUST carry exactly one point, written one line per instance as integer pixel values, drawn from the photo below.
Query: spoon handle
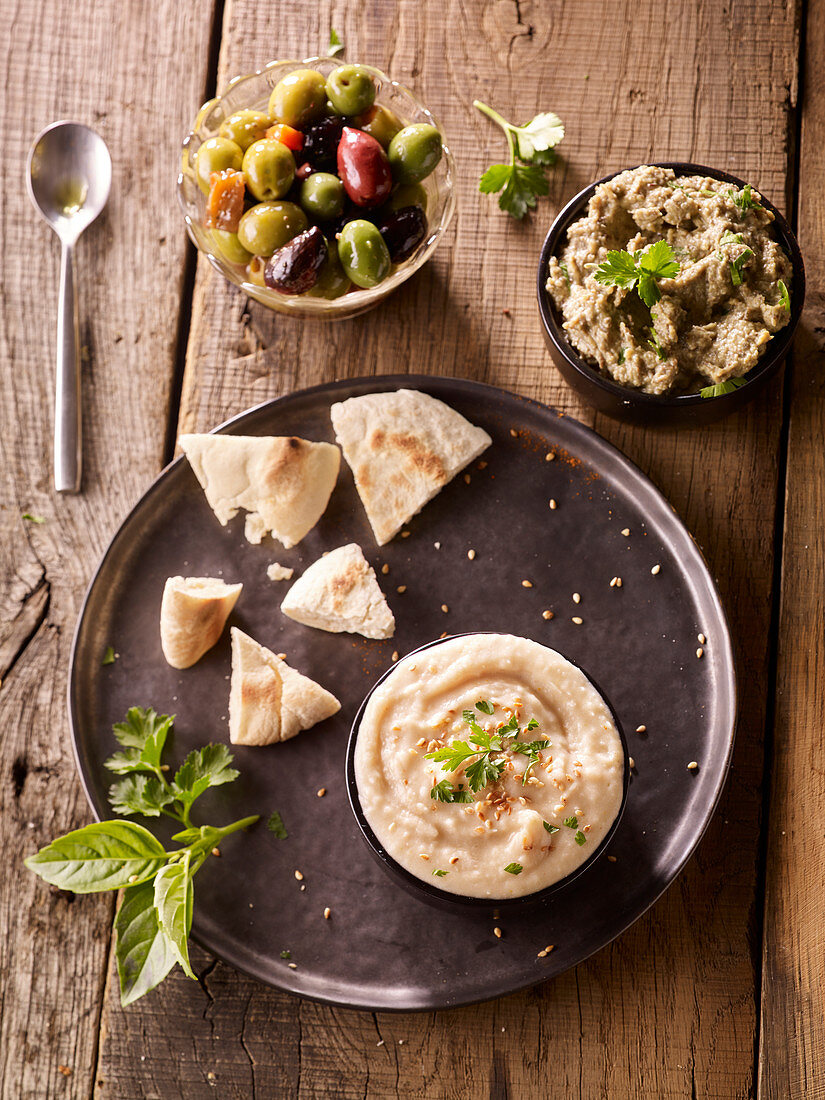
(67, 449)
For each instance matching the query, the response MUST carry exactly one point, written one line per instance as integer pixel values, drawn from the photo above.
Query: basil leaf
(173, 904)
(103, 856)
(142, 952)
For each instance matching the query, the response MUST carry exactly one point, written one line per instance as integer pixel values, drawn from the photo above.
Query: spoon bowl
(68, 176)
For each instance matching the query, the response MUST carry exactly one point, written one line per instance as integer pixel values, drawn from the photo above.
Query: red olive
(294, 268)
(364, 168)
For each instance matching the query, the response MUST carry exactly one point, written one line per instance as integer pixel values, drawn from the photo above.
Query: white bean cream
(489, 766)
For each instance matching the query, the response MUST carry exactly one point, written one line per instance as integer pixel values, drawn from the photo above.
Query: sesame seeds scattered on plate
(471, 554)
(553, 505)
(626, 532)
(577, 620)
(548, 614)
(655, 570)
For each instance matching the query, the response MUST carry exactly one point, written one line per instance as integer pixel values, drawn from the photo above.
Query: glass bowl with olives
(316, 186)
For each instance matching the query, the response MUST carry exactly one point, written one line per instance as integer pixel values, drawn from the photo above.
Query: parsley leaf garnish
(336, 45)
(550, 828)
(484, 706)
(439, 873)
(784, 296)
(488, 765)
(514, 868)
(276, 825)
(483, 772)
(641, 270)
(744, 199)
(108, 656)
(33, 519)
(446, 792)
(532, 144)
(286, 954)
(571, 822)
(656, 344)
(728, 386)
(580, 838)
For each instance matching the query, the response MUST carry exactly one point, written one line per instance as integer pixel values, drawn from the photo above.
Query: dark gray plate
(382, 948)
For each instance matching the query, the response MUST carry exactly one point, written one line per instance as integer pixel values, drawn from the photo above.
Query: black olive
(320, 147)
(403, 231)
(294, 268)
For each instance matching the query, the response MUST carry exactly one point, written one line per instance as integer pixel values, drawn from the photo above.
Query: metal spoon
(68, 175)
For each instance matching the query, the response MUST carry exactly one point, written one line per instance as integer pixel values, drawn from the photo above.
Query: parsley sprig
(641, 270)
(488, 753)
(531, 147)
(744, 199)
(155, 916)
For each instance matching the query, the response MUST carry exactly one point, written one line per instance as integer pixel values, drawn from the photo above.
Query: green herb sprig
(487, 752)
(784, 296)
(336, 44)
(744, 199)
(531, 146)
(641, 270)
(728, 386)
(155, 916)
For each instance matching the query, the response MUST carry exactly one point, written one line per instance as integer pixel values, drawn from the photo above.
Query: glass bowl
(661, 410)
(430, 892)
(253, 91)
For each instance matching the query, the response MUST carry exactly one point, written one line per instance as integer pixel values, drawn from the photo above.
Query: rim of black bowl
(780, 344)
(431, 891)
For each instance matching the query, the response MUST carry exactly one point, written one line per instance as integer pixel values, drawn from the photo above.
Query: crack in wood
(33, 611)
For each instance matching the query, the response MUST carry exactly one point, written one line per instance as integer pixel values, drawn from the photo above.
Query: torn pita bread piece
(268, 700)
(284, 483)
(340, 592)
(193, 613)
(403, 447)
(277, 572)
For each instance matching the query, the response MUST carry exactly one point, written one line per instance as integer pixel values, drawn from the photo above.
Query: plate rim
(382, 382)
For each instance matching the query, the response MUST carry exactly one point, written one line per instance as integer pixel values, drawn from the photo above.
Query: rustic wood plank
(669, 1010)
(792, 1034)
(87, 60)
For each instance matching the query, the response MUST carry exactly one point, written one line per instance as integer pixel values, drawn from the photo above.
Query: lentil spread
(531, 825)
(714, 318)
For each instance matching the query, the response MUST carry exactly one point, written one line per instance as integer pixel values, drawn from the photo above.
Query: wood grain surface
(672, 1009)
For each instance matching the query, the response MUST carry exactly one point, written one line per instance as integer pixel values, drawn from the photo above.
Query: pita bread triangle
(340, 592)
(283, 482)
(403, 447)
(268, 700)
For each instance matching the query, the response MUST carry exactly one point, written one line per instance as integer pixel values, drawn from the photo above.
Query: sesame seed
(641, 729)
(453, 859)
(466, 479)
(133, 878)
(401, 589)
(549, 456)
(611, 859)
(701, 638)
(626, 532)
(632, 763)
(437, 545)
(395, 655)
(423, 855)
(483, 464)
(693, 765)
(576, 620)
(700, 652)
(618, 582)
(471, 555)
(299, 876)
(385, 569)
(380, 1042)
(216, 852)
(327, 913)
(320, 792)
(443, 634)
(513, 433)
(292, 966)
(444, 608)
(421, 742)
(550, 947)
(542, 955)
(497, 933)
(576, 598)
(526, 584)
(405, 534)
(613, 582)
(655, 569)
(547, 614)
(553, 505)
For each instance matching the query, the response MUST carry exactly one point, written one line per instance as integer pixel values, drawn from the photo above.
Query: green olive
(363, 254)
(379, 122)
(298, 99)
(350, 89)
(229, 247)
(216, 155)
(244, 127)
(269, 168)
(414, 152)
(332, 281)
(408, 194)
(322, 196)
(268, 226)
(255, 270)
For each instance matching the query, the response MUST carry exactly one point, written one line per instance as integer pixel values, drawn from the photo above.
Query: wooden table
(717, 991)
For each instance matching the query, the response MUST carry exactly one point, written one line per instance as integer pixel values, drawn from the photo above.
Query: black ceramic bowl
(429, 891)
(652, 410)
